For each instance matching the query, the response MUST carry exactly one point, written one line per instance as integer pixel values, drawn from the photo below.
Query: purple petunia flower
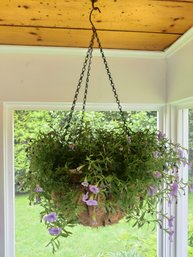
(160, 135)
(170, 221)
(152, 190)
(85, 184)
(51, 217)
(191, 187)
(94, 189)
(184, 162)
(174, 189)
(38, 189)
(55, 231)
(180, 153)
(91, 202)
(157, 174)
(171, 234)
(85, 197)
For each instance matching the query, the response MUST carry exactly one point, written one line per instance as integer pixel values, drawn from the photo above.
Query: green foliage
(27, 125)
(190, 202)
(190, 112)
(127, 170)
(190, 240)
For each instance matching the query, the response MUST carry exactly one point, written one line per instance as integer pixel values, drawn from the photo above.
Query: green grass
(190, 221)
(119, 240)
(190, 203)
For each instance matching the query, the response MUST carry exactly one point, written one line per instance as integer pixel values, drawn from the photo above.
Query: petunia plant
(97, 175)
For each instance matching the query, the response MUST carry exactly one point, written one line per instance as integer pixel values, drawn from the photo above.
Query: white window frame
(175, 125)
(182, 207)
(167, 122)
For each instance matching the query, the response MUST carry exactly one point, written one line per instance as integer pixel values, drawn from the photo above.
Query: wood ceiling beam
(140, 15)
(140, 24)
(81, 38)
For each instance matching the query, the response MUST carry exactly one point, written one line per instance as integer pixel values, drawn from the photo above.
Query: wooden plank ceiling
(122, 24)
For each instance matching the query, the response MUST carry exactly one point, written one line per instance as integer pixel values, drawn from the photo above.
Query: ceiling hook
(94, 8)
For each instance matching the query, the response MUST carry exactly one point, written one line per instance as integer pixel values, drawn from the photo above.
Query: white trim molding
(9, 189)
(169, 128)
(2, 184)
(179, 43)
(184, 103)
(182, 206)
(175, 125)
(69, 51)
(89, 106)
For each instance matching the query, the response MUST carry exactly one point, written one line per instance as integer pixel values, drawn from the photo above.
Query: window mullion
(169, 126)
(9, 192)
(182, 206)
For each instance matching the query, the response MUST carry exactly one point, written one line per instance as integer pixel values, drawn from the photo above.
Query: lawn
(119, 240)
(190, 223)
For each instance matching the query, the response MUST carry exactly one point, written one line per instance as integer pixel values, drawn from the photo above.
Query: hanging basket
(86, 152)
(96, 216)
(93, 216)
(127, 173)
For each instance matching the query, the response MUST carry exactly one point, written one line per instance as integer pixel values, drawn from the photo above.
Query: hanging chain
(112, 83)
(87, 82)
(87, 61)
(107, 68)
(87, 58)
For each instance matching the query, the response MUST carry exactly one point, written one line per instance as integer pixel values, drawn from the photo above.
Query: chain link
(112, 84)
(87, 58)
(87, 61)
(86, 85)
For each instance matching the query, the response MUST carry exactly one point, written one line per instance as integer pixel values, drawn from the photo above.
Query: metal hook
(93, 9)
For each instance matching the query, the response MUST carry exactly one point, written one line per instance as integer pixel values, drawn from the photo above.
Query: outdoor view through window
(116, 240)
(190, 196)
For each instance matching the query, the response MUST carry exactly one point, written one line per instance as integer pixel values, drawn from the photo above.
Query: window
(165, 124)
(190, 196)
(120, 238)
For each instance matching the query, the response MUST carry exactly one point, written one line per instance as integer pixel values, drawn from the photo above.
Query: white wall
(1, 185)
(180, 70)
(49, 74)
